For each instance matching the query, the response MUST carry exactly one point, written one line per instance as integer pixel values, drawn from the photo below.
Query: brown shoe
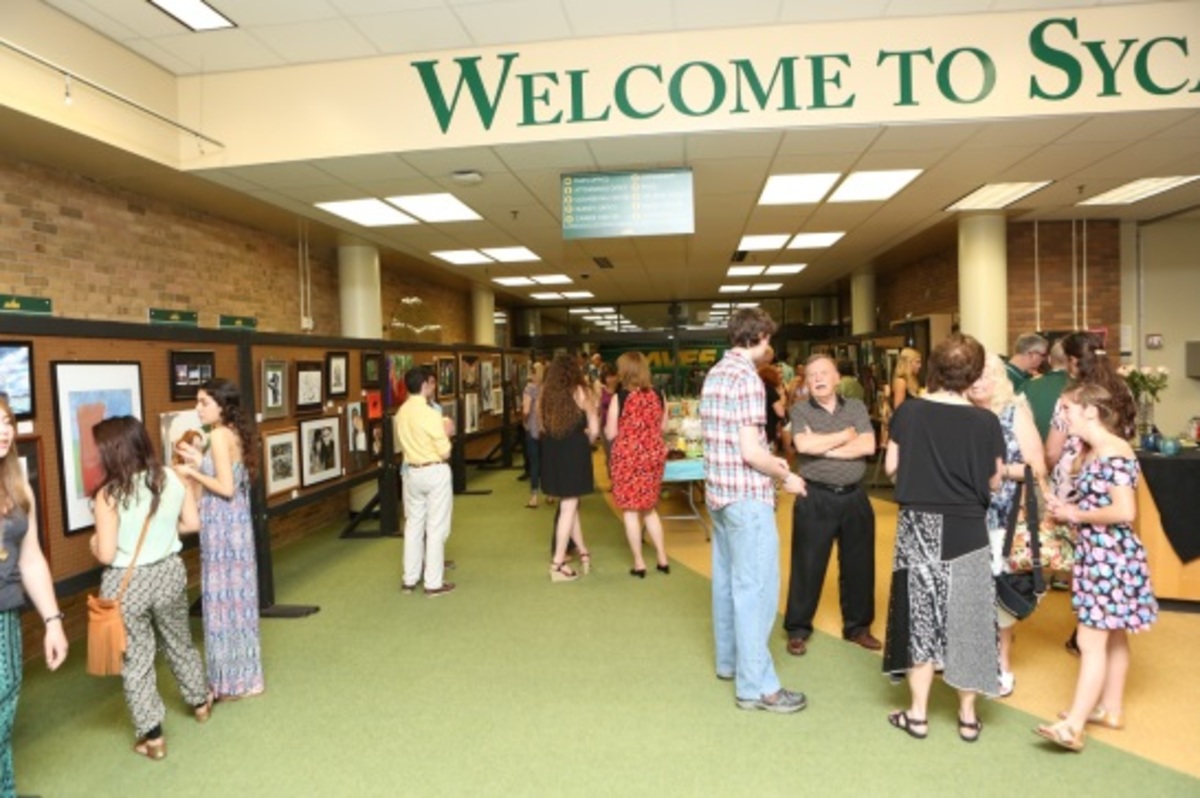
(866, 640)
(797, 646)
(446, 587)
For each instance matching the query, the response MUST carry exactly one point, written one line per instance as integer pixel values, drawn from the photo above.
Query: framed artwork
(16, 377)
(497, 400)
(446, 376)
(321, 457)
(190, 368)
(29, 454)
(470, 412)
(486, 381)
(372, 369)
(84, 394)
(337, 373)
(470, 372)
(397, 364)
(450, 411)
(180, 425)
(375, 435)
(274, 392)
(522, 374)
(309, 392)
(357, 444)
(374, 404)
(281, 457)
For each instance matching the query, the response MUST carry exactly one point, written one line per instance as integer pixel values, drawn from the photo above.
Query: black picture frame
(337, 374)
(447, 377)
(16, 378)
(320, 454)
(29, 450)
(310, 391)
(372, 369)
(190, 368)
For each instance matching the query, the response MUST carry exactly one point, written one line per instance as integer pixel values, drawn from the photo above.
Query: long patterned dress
(229, 588)
(638, 451)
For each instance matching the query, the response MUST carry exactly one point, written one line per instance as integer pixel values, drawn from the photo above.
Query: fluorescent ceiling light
(744, 271)
(994, 196)
(784, 268)
(510, 254)
(1138, 190)
(513, 282)
(578, 295)
(552, 279)
(814, 240)
(593, 317)
(195, 14)
(462, 257)
(869, 186)
(733, 289)
(367, 212)
(604, 310)
(579, 310)
(753, 243)
(766, 286)
(434, 207)
(546, 296)
(796, 189)
(748, 304)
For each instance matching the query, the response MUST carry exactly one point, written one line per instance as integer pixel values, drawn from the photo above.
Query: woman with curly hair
(570, 423)
(139, 494)
(228, 566)
(906, 379)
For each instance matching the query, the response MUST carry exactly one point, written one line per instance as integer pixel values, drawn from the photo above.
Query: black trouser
(817, 521)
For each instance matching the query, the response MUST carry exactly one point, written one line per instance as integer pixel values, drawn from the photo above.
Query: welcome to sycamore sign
(973, 66)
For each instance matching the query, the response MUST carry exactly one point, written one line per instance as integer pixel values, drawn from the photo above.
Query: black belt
(425, 465)
(831, 488)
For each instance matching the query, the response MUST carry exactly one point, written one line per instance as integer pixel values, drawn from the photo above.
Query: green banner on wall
(238, 322)
(25, 304)
(179, 318)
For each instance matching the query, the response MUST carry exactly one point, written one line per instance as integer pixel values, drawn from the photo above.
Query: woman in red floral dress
(635, 423)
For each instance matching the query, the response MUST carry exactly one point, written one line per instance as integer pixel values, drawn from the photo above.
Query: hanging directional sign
(615, 204)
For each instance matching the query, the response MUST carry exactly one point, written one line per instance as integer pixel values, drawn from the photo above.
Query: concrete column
(862, 302)
(361, 304)
(983, 279)
(821, 310)
(483, 319)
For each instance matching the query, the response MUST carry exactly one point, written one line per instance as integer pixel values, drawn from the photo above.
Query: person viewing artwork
(533, 432)
(139, 493)
(906, 378)
(23, 570)
(946, 456)
(220, 478)
(636, 420)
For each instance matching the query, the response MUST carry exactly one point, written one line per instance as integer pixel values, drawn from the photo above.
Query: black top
(947, 455)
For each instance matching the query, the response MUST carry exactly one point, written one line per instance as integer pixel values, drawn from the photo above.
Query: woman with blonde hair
(1022, 446)
(906, 379)
(637, 418)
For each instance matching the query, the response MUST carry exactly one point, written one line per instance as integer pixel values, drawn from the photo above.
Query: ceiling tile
(95, 18)
(324, 40)
(421, 30)
(276, 12)
(518, 20)
(221, 50)
(618, 17)
(366, 168)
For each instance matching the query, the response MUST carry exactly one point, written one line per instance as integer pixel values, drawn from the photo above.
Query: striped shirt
(733, 397)
(819, 421)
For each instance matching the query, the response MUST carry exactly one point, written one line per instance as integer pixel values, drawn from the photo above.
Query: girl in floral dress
(1111, 593)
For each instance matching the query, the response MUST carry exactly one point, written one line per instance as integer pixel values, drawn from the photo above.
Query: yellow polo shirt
(420, 432)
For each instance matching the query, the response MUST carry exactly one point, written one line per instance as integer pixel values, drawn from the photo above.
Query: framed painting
(29, 455)
(274, 392)
(397, 364)
(450, 411)
(470, 413)
(358, 455)
(375, 434)
(469, 372)
(374, 401)
(84, 394)
(180, 425)
(446, 376)
(16, 377)
(487, 376)
(190, 368)
(337, 374)
(497, 400)
(309, 390)
(281, 459)
(372, 368)
(321, 457)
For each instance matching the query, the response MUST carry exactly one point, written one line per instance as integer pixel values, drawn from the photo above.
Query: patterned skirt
(942, 607)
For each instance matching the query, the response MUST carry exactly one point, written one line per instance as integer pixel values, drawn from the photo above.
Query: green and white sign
(34, 305)
(611, 204)
(238, 322)
(179, 318)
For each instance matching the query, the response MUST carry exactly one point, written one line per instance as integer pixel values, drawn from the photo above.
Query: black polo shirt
(847, 413)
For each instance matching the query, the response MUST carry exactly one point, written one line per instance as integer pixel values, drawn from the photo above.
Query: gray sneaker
(784, 701)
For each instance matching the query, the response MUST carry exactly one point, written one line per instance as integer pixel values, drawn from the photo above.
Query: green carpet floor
(516, 686)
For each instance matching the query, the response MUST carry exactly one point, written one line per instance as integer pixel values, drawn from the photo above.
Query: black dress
(567, 462)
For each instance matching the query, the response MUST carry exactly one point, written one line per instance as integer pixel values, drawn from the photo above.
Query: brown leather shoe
(797, 646)
(866, 640)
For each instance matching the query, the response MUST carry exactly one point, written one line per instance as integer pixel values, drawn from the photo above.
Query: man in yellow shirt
(428, 489)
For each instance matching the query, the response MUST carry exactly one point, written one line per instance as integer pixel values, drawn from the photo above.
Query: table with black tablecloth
(1168, 522)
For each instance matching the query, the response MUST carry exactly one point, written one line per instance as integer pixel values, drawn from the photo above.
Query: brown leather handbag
(106, 628)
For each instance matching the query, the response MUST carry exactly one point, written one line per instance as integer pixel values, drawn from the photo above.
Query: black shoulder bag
(1018, 594)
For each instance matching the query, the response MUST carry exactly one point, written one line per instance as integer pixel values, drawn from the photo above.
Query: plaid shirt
(733, 397)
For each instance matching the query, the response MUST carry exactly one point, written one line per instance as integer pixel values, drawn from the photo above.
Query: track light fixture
(67, 98)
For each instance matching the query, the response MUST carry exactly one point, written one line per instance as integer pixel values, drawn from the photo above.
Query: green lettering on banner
(906, 74)
(1066, 63)
(1108, 70)
(621, 96)
(785, 72)
(529, 96)
(578, 106)
(1141, 66)
(485, 105)
(675, 89)
(819, 81)
(987, 84)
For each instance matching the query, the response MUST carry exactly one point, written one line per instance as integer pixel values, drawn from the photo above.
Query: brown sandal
(1061, 734)
(561, 572)
(155, 749)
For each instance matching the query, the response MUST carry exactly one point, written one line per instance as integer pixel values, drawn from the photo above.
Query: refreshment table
(1168, 522)
(687, 473)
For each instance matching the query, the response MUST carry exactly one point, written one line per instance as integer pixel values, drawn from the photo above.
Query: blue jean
(533, 462)
(745, 585)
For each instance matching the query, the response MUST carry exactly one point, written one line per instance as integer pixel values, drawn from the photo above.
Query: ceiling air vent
(739, 255)
(603, 262)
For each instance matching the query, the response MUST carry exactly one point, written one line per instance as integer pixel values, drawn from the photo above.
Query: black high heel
(640, 573)
(663, 569)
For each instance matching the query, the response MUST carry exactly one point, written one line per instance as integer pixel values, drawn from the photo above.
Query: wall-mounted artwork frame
(397, 365)
(469, 373)
(29, 454)
(470, 413)
(189, 369)
(321, 455)
(375, 438)
(274, 389)
(84, 394)
(447, 377)
(486, 382)
(450, 411)
(310, 378)
(281, 460)
(337, 374)
(16, 377)
(497, 400)
(372, 369)
(358, 453)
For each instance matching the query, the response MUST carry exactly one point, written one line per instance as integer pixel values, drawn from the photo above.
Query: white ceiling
(519, 197)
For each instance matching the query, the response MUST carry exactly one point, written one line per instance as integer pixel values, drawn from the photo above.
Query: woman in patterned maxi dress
(228, 567)
(1111, 593)
(635, 424)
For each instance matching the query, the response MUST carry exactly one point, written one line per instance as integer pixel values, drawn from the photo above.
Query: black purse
(1018, 594)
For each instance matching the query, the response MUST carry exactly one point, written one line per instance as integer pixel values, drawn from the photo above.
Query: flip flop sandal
(976, 727)
(909, 725)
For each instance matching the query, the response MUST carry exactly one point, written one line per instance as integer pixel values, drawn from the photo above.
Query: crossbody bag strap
(1033, 523)
(133, 563)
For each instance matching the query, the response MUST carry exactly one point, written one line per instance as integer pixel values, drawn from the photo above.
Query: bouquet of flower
(1146, 381)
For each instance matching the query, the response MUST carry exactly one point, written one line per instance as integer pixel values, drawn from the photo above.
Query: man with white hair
(1029, 353)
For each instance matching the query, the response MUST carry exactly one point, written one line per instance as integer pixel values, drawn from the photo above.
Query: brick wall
(929, 285)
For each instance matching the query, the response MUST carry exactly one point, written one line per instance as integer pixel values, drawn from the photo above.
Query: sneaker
(783, 701)
(408, 589)
(447, 587)
(1007, 682)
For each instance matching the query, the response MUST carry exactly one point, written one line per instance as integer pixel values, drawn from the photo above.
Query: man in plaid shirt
(739, 488)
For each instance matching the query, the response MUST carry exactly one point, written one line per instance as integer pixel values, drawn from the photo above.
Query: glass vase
(1145, 414)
